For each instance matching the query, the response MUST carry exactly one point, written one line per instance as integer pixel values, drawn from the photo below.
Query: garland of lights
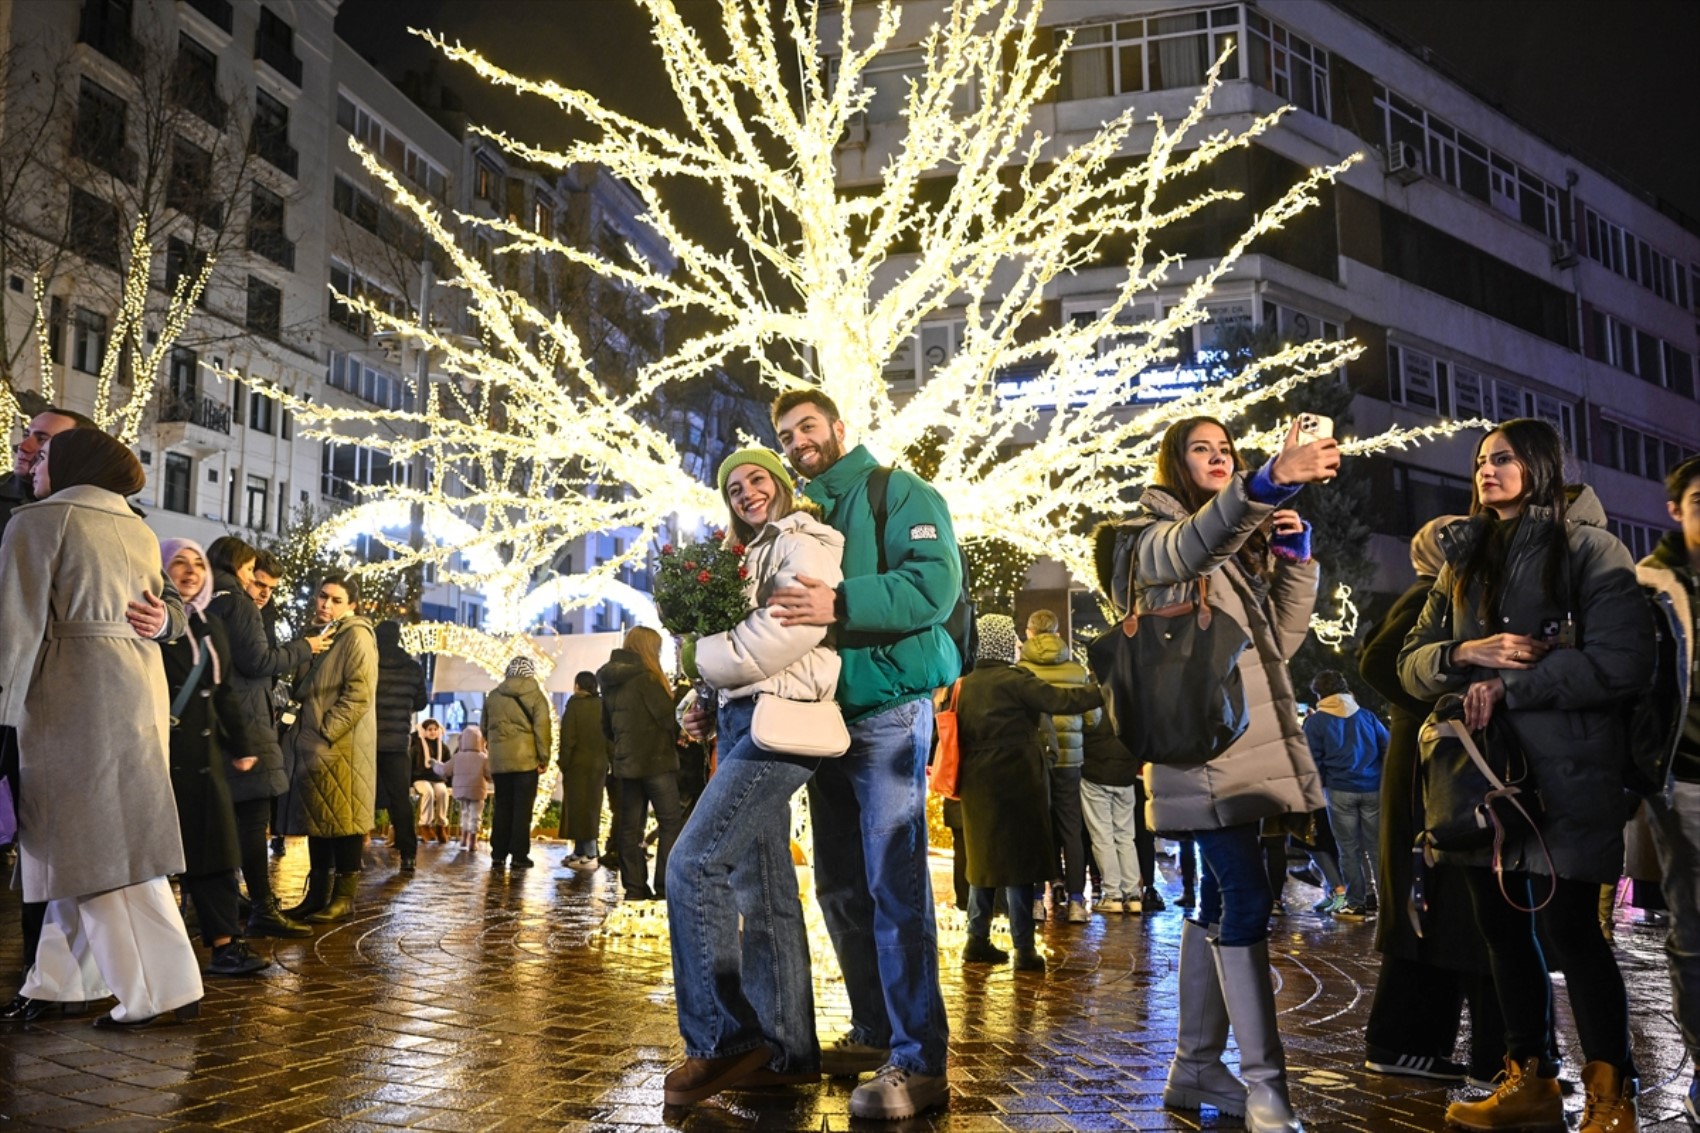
(1336, 631)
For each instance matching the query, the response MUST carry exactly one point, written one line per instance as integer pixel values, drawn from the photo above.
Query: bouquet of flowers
(699, 587)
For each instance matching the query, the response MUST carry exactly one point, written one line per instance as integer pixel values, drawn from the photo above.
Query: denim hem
(733, 1053)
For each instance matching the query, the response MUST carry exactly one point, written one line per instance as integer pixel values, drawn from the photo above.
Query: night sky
(1616, 83)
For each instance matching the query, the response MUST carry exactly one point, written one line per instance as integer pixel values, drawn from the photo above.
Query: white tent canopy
(571, 652)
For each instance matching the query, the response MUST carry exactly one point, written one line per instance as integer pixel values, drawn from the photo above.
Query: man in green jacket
(870, 807)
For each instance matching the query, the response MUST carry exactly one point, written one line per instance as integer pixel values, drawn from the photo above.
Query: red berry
(703, 577)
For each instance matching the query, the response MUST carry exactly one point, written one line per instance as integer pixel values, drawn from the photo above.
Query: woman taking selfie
(746, 998)
(1207, 519)
(1537, 615)
(331, 752)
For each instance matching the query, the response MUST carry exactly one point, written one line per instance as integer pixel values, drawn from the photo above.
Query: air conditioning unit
(855, 132)
(1563, 254)
(1404, 163)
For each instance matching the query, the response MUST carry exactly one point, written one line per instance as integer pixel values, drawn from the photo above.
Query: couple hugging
(740, 958)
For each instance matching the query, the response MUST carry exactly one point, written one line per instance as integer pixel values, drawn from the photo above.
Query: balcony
(279, 58)
(277, 151)
(195, 422)
(109, 37)
(273, 245)
(103, 149)
(218, 12)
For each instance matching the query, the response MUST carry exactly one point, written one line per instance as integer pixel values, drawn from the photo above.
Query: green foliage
(699, 587)
(998, 571)
(384, 593)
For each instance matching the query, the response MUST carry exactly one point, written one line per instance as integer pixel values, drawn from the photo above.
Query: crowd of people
(1526, 612)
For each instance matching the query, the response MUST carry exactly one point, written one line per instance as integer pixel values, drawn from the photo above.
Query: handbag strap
(955, 691)
(181, 701)
(1130, 623)
(1503, 791)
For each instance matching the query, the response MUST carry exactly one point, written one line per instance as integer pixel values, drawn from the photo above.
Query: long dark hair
(1175, 478)
(1540, 456)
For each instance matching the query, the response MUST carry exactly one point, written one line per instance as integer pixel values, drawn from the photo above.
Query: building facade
(1487, 271)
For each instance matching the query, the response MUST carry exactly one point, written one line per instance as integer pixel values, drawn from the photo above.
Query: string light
(1336, 631)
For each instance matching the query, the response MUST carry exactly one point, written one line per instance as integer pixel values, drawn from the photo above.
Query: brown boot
(1523, 1100)
(442, 834)
(697, 1078)
(1611, 1100)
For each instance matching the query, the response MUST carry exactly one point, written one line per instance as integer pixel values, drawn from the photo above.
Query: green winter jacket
(891, 635)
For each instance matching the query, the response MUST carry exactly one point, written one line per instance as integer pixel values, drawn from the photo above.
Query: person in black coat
(1004, 783)
(1424, 980)
(643, 754)
(255, 662)
(401, 693)
(207, 725)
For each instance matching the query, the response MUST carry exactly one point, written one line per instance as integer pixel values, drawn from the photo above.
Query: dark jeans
(1068, 827)
(340, 854)
(215, 896)
(510, 823)
(636, 797)
(1417, 1009)
(1144, 843)
(1234, 891)
(1570, 924)
(395, 795)
(251, 818)
(1019, 902)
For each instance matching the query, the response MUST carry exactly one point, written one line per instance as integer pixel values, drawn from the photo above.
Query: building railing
(196, 410)
(276, 150)
(107, 36)
(279, 58)
(218, 11)
(273, 245)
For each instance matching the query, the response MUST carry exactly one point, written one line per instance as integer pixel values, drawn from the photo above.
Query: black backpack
(961, 625)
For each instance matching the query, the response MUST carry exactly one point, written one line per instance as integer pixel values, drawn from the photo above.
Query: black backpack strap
(878, 481)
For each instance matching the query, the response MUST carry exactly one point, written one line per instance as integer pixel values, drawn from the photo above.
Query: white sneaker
(1133, 905)
(1110, 905)
(1077, 912)
(895, 1092)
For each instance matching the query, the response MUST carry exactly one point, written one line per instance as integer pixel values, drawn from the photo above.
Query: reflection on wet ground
(462, 1000)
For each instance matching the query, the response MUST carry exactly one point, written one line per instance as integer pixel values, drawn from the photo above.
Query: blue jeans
(1676, 830)
(732, 860)
(1019, 898)
(1234, 888)
(1356, 817)
(870, 818)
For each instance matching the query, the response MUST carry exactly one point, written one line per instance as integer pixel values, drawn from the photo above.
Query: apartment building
(1488, 271)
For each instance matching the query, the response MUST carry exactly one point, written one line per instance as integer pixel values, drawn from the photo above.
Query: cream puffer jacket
(760, 655)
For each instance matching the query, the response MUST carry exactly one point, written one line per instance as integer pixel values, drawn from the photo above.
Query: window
(182, 374)
(344, 282)
(88, 341)
(189, 187)
(105, 26)
(356, 204)
(344, 468)
(179, 483)
(887, 79)
(1452, 156)
(93, 228)
(260, 409)
(194, 83)
(932, 346)
(56, 329)
(184, 260)
(265, 229)
(1419, 496)
(1159, 53)
(487, 183)
(259, 488)
(98, 134)
(274, 44)
(1611, 340)
(1635, 451)
(407, 159)
(369, 383)
(1293, 68)
(271, 133)
(265, 308)
(1633, 258)
(1416, 380)
(543, 217)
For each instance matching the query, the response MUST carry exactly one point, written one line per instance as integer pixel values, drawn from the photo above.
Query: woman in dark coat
(1424, 980)
(583, 757)
(1004, 784)
(1537, 616)
(254, 665)
(210, 727)
(637, 718)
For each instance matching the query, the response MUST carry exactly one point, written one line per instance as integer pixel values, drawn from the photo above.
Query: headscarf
(997, 638)
(522, 667)
(1426, 555)
(89, 456)
(169, 549)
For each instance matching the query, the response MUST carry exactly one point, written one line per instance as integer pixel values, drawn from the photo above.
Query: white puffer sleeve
(759, 648)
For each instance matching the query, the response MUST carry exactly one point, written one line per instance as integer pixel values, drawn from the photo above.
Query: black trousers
(510, 824)
(251, 818)
(340, 853)
(636, 797)
(215, 896)
(1144, 843)
(31, 914)
(1570, 925)
(1417, 1009)
(395, 795)
(1068, 827)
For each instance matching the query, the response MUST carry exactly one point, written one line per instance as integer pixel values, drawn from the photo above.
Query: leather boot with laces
(1610, 1106)
(1522, 1099)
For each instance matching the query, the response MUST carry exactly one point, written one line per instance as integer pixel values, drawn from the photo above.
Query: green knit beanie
(766, 458)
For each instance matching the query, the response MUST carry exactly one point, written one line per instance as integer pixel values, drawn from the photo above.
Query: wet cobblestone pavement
(462, 1000)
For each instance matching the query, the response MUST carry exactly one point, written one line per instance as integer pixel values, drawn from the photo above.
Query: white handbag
(810, 728)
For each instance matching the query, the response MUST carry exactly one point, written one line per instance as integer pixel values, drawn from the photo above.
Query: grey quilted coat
(1268, 771)
(1565, 711)
(331, 751)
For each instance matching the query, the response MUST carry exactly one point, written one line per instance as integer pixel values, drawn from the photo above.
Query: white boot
(1248, 987)
(1197, 1076)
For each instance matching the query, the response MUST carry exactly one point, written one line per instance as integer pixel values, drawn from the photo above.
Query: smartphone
(1314, 427)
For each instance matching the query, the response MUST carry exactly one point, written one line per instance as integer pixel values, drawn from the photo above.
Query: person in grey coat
(517, 718)
(1537, 616)
(1206, 518)
(331, 753)
(255, 665)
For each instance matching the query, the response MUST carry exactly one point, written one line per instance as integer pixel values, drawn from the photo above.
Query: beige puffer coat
(1269, 770)
(758, 654)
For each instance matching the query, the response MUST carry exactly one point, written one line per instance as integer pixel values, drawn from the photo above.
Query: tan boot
(1523, 1100)
(442, 834)
(1610, 1106)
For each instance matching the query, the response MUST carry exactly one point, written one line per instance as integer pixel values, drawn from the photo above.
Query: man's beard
(828, 453)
